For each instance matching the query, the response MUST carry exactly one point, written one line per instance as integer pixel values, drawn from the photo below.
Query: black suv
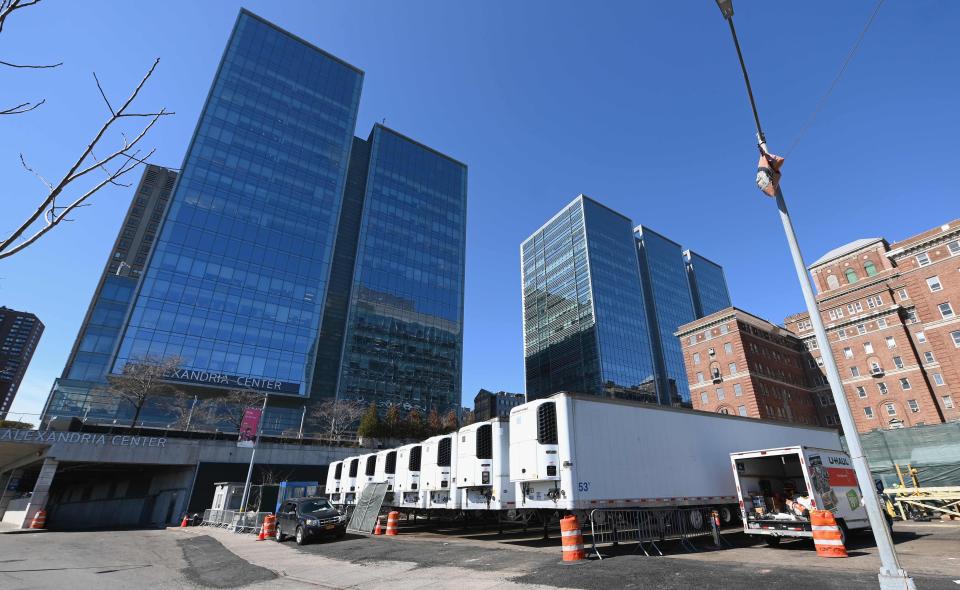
(308, 518)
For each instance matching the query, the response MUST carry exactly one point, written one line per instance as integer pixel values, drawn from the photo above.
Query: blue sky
(637, 104)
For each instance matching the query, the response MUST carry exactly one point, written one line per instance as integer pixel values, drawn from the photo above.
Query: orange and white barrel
(39, 520)
(826, 534)
(269, 528)
(393, 523)
(571, 539)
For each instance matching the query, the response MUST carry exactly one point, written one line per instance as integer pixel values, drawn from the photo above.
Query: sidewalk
(316, 570)
(12, 529)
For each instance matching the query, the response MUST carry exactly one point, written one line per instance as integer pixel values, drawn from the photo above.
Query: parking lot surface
(445, 555)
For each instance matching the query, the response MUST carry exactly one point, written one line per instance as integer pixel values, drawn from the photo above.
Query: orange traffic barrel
(827, 537)
(269, 528)
(571, 538)
(39, 520)
(393, 523)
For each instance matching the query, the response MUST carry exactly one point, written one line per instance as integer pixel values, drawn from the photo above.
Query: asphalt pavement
(448, 556)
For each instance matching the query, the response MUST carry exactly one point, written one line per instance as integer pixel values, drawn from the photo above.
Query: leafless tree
(337, 417)
(187, 410)
(232, 406)
(271, 475)
(72, 188)
(143, 381)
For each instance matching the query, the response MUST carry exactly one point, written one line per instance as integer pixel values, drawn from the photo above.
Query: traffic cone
(377, 530)
(183, 524)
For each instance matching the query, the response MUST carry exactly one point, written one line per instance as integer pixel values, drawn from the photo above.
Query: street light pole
(892, 576)
(253, 455)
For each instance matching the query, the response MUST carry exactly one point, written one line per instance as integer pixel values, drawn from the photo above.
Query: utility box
(227, 495)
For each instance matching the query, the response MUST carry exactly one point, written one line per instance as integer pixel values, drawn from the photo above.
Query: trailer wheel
(772, 541)
(696, 519)
(726, 515)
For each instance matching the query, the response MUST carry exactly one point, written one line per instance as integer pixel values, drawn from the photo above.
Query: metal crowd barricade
(648, 526)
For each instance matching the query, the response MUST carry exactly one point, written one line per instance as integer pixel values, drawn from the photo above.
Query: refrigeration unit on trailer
(778, 487)
(366, 471)
(386, 472)
(407, 479)
(439, 472)
(483, 471)
(578, 452)
(332, 487)
(349, 480)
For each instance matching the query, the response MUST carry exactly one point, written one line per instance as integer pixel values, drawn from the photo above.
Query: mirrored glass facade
(668, 306)
(708, 284)
(404, 332)
(236, 284)
(581, 298)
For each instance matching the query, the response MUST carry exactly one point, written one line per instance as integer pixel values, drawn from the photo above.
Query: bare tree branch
(35, 173)
(143, 381)
(104, 95)
(19, 109)
(126, 155)
(7, 7)
(30, 66)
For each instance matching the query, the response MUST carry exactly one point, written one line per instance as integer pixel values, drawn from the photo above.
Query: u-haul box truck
(778, 487)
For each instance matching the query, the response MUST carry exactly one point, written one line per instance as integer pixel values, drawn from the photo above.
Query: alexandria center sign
(232, 381)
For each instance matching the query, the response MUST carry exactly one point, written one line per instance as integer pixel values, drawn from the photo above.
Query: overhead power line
(836, 80)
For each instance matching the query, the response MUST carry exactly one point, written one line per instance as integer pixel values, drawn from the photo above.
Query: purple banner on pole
(248, 427)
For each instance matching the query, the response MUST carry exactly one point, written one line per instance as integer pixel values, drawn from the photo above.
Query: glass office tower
(237, 281)
(404, 333)
(581, 297)
(601, 303)
(668, 306)
(293, 258)
(708, 284)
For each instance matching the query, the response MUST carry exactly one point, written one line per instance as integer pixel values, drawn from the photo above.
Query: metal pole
(891, 576)
(190, 415)
(253, 456)
(303, 417)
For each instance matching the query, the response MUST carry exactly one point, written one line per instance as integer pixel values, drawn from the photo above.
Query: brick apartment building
(892, 314)
(738, 363)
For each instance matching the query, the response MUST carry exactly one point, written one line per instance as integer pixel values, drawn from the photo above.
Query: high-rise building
(296, 259)
(488, 405)
(668, 304)
(584, 324)
(601, 303)
(89, 359)
(708, 284)
(19, 333)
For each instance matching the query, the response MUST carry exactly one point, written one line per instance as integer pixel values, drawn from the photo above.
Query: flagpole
(253, 456)
(891, 576)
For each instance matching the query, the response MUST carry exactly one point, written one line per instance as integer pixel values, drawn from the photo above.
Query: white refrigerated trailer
(438, 474)
(820, 479)
(576, 453)
(332, 487)
(407, 479)
(348, 480)
(366, 472)
(483, 467)
(386, 472)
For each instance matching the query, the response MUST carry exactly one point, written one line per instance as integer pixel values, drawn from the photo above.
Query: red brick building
(738, 363)
(892, 313)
